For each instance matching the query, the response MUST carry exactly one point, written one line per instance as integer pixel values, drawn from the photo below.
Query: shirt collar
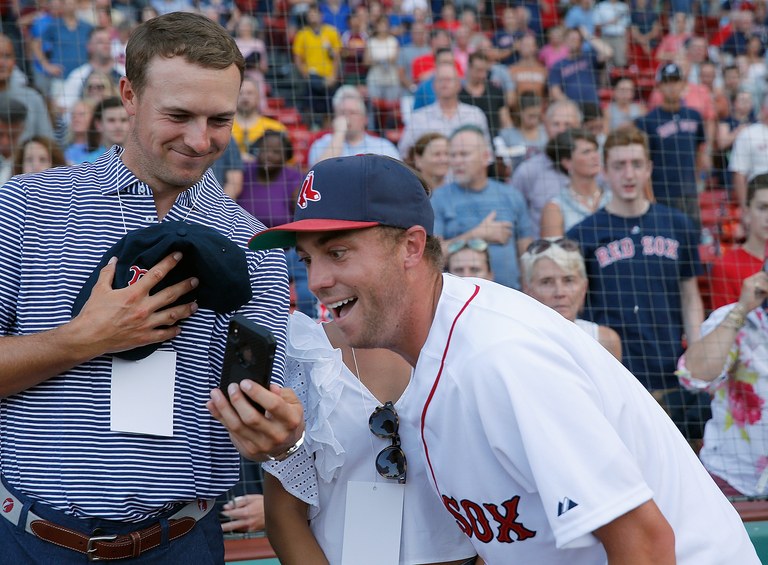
(115, 176)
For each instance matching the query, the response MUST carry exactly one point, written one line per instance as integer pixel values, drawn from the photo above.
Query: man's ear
(415, 242)
(128, 95)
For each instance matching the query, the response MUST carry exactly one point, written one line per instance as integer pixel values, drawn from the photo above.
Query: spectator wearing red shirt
(423, 67)
(730, 270)
(448, 20)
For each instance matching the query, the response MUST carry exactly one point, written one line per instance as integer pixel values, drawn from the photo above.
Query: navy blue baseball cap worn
(218, 263)
(348, 193)
(670, 73)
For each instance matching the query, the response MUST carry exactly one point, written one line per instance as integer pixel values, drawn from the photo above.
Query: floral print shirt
(736, 438)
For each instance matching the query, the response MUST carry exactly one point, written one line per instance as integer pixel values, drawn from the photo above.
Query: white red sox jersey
(535, 436)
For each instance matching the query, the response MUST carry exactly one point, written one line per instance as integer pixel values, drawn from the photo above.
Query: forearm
(740, 189)
(234, 183)
(642, 536)
(693, 309)
(556, 93)
(603, 50)
(26, 361)
(334, 149)
(301, 66)
(288, 528)
(725, 138)
(705, 359)
(551, 221)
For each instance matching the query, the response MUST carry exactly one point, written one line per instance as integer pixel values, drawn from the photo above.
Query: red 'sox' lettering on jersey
(486, 521)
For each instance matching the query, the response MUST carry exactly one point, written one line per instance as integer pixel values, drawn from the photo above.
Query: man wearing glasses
(541, 446)
(476, 207)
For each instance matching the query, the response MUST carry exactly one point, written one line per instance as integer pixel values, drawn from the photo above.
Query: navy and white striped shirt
(55, 440)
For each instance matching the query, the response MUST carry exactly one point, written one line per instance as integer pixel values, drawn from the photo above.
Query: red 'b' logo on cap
(307, 191)
(7, 505)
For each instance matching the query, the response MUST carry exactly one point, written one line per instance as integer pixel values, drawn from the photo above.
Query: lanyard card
(373, 523)
(141, 396)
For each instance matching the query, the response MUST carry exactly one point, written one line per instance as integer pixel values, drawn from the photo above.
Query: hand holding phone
(249, 354)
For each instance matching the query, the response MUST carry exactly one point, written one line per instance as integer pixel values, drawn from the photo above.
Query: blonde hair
(569, 261)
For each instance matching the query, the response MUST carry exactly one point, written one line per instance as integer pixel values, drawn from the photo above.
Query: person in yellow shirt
(249, 124)
(316, 55)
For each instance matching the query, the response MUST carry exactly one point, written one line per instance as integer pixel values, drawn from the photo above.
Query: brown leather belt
(99, 546)
(110, 547)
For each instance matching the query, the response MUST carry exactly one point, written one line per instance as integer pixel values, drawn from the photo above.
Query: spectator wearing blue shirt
(40, 76)
(505, 40)
(736, 44)
(336, 13)
(424, 95)
(576, 76)
(581, 16)
(67, 36)
(476, 207)
(646, 28)
(677, 143)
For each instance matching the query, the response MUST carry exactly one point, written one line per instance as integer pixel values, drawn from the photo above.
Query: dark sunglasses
(390, 462)
(474, 244)
(541, 245)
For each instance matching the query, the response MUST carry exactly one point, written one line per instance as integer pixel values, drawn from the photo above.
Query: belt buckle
(90, 550)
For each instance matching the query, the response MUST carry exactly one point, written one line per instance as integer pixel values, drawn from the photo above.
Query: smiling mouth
(341, 307)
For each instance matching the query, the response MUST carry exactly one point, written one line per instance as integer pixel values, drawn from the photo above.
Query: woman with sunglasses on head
(576, 153)
(469, 258)
(352, 442)
(554, 274)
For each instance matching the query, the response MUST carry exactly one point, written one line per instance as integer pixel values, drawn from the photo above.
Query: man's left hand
(254, 434)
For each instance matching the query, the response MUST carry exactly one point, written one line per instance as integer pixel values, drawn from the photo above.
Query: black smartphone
(249, 354)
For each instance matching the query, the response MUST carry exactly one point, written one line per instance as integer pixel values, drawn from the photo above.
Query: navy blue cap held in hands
(347, 193)
(219, 264)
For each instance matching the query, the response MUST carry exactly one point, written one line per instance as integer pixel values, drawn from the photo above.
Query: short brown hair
(197, 38)
(622, 137)
(760, 182)
(562, 145)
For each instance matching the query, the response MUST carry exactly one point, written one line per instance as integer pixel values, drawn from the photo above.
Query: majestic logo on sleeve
(565, 505)
(307, 191)
(488, 521)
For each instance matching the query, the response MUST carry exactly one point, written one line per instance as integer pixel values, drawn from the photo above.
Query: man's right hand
(115, 320)
(340, 125)
(493, 230)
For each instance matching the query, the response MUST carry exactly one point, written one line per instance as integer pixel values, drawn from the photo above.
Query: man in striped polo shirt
(81, 474)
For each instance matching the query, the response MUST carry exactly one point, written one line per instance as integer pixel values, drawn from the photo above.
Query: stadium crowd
(508, 109)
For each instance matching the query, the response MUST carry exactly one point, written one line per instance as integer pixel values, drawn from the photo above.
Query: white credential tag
(141, 397)
(373, 523)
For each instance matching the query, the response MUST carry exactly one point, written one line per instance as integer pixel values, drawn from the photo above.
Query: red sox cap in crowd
(348, 193)
(218, 263)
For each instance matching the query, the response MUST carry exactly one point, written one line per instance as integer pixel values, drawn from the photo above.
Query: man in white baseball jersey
(539, 443)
